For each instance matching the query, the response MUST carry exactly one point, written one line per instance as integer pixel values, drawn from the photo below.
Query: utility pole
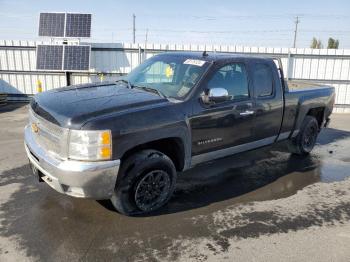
(133, 28)
(146, 39)
(297, 21)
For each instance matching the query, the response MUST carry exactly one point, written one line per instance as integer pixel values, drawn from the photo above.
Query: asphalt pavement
(262, 205)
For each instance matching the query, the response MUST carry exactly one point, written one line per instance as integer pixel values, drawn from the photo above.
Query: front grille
(49, 136)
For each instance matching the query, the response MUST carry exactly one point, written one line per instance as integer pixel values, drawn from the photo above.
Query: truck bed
(296, 85)
(300, 97)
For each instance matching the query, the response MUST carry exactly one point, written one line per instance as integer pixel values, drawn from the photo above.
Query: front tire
(146, 181)
(305, 141)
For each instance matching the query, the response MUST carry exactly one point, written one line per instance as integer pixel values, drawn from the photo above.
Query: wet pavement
(220, 210)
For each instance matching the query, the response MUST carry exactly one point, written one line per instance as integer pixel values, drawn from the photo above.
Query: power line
(219, 32)
(256, 16)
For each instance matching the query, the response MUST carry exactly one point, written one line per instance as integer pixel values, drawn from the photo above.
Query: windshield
(172, 76)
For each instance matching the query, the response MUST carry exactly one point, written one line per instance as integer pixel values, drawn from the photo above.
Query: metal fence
(18, 75)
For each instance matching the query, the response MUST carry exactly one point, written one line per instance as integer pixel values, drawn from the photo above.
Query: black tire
(305, 141)
(135, 178)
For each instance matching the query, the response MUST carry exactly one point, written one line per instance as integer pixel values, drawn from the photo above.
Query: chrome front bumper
(94, 180)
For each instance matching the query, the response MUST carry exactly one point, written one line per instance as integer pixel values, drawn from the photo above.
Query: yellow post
(39, 87)
(102, 77)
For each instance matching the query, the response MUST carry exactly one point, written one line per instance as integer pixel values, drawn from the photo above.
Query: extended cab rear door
(268, 98)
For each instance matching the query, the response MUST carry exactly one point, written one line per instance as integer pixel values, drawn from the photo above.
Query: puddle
(335, 170)
(255, 176)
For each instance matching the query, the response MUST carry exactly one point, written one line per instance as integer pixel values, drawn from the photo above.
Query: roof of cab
(212, 56)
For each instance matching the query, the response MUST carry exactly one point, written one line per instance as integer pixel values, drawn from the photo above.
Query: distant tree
(316, 44)
(332, 43)
(313, 43)
(336, 44)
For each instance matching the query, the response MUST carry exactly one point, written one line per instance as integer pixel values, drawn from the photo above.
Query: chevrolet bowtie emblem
(35, 128)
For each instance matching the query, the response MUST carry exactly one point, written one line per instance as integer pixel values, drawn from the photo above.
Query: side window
(233, 78)
(262, 80)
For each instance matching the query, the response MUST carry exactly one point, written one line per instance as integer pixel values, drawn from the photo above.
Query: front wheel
(145, 183)
(305, 141)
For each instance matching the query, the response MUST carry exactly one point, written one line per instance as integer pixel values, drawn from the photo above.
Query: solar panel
(78, 25)
(49, 57)
(52, 24)
(76, 58)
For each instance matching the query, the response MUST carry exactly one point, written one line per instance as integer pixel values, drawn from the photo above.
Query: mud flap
(326, 124)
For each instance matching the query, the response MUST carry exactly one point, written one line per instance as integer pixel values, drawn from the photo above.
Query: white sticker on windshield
(194, 62)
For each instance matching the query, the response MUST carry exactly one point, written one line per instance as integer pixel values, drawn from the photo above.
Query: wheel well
(318, 113)
(172, 147)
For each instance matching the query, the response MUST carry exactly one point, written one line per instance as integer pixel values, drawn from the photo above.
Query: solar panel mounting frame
(77, 29)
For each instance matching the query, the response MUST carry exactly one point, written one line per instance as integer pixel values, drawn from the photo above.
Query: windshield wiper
(126, 82)
(150, 89)
(146, 88)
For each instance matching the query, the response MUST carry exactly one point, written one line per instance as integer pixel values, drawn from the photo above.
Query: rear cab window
(262, 80)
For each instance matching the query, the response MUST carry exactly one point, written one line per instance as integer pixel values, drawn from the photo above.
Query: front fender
(130, 139)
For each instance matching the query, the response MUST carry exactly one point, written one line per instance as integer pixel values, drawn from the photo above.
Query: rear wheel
(305, 141)
(145, 183)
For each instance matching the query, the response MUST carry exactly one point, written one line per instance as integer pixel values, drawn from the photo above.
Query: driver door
(218, 128)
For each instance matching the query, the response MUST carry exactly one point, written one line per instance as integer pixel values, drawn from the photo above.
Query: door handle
(247, 113)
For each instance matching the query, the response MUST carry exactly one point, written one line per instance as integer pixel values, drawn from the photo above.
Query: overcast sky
(243, 22)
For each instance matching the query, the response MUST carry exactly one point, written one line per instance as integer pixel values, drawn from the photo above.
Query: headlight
(90, 145)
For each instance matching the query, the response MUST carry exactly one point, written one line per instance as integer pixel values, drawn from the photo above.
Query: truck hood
(73, 106)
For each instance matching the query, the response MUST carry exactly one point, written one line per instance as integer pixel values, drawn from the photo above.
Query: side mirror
(216, 95)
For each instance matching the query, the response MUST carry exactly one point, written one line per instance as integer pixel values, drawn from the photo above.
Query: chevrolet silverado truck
(127, 140)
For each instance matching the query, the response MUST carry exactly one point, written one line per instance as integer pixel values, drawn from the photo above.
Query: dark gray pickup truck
(127, 140)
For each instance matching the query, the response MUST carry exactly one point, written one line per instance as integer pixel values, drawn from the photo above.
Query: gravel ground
(262, 205)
